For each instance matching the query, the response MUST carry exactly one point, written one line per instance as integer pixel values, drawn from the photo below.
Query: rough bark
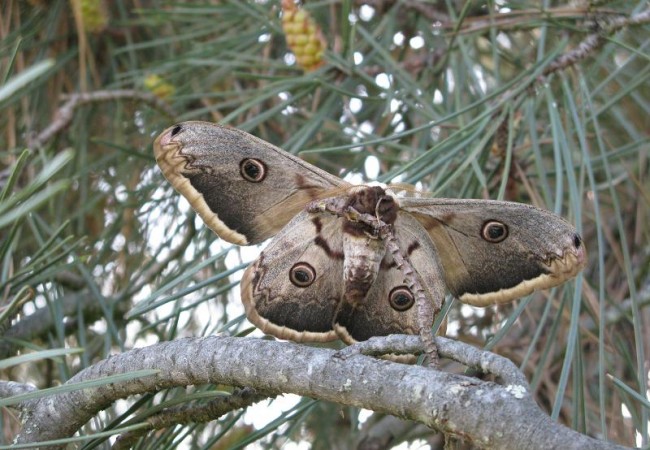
(490, 415)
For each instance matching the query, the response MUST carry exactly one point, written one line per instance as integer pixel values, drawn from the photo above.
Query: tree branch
(596, 40)
(211, 410)
(65, 113)
(7, 313)
(486, 362)
(11, 388)
(389, 431)
(41, 322)
(484, 413)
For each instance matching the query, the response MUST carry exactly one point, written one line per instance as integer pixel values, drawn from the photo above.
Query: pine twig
(596, 40)
(65, 113)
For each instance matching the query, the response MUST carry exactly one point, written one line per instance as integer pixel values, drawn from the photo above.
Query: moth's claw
(352, 215)
(432, 360)
(347, 352)
(316, 206)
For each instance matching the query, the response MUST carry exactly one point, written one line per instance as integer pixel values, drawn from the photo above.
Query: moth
(325, 275)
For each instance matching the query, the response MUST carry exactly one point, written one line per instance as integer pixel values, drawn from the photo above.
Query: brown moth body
(363, 250)
(324, 276)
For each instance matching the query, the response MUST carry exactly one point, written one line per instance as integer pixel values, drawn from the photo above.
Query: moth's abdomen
(363, 256)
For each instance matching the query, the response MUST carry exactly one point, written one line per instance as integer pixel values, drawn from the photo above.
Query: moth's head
(374, 200)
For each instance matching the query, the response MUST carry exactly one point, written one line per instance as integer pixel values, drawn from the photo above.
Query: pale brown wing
(244, 188)
(390, 307)
(493, 252)
(293, 289)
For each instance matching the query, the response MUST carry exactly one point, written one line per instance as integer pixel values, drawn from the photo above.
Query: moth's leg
(332, 205)
(339, 207)
(426, 310)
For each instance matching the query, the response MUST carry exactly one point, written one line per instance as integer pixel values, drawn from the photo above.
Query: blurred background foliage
(478, 99)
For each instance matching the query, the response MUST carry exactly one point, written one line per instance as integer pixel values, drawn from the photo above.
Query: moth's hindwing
(390, 307)
(294, 288)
